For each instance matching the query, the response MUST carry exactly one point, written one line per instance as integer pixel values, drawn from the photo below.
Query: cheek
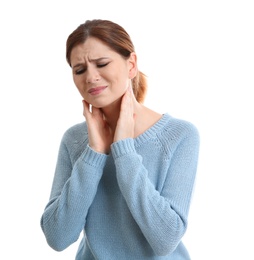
(80, 88)
(123, 86)
(126, 84)
(121, 80)
(78, 83)
(76, 80)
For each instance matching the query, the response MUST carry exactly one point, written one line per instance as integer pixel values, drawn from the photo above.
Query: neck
(111, 113)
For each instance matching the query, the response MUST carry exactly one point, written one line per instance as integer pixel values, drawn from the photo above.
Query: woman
(125, 176)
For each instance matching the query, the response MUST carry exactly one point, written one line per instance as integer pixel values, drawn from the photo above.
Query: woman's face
(101, 75)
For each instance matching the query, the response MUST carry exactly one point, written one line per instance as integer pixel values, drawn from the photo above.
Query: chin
(106, 104)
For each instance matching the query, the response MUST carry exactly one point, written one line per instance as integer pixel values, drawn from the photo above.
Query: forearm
(64, 216)
(161, 214)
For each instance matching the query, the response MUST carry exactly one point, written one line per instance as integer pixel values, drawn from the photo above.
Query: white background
(199, 58)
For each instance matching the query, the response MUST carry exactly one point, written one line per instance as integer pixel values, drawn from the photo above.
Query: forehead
(91, 49)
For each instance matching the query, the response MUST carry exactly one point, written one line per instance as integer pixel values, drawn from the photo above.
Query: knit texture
(132, 203)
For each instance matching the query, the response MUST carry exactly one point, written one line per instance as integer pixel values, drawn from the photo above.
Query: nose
(93, 75)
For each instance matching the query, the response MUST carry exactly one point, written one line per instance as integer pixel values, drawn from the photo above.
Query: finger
(86, 111)
(96, 111)
(127, 103)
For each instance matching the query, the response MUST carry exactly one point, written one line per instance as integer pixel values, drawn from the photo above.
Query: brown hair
(114, 36)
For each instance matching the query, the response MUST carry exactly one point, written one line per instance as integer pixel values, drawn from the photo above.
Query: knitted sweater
(132, 203)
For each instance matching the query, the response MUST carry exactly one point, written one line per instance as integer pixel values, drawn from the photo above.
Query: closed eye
(102, 65)
(83, 70)
(80, 71)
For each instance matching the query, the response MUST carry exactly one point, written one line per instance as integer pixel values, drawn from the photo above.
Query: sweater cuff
(122, 147)
(93, 158)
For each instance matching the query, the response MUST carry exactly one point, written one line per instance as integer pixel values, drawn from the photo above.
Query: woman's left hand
(126, 121)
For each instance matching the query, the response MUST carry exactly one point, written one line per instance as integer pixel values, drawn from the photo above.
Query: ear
(132, 63)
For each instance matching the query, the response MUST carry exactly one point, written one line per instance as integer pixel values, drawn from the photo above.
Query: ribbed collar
(151, 132)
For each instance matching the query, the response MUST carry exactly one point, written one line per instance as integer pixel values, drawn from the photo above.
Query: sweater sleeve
(161, 216)
(73, 190)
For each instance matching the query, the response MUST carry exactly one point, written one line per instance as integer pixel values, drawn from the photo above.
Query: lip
(96, 90)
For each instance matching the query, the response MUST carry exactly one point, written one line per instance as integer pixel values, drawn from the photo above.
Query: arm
(161, 216)
(72, 193)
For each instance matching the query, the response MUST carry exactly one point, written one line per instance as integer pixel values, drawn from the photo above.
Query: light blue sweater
(133, 203)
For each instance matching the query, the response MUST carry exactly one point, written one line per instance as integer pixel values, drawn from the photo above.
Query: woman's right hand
(99, 133)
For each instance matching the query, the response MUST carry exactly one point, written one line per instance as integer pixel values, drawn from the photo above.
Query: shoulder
(75, 134)
(180, 126)
(176, 129)
(74, 141)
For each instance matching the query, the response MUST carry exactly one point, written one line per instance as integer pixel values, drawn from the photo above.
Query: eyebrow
(91, 60)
